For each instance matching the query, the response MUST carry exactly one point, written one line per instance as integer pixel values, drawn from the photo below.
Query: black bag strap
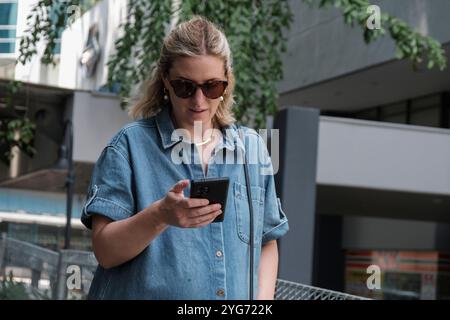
(250, 205)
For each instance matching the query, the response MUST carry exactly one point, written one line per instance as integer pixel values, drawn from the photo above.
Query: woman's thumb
(179, 186)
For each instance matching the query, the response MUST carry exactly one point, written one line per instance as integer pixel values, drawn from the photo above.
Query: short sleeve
(110, 191)
(275, 220)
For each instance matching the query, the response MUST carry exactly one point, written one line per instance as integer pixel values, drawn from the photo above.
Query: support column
(296, 186)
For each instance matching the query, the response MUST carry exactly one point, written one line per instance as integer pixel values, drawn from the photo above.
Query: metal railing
(48, 265)
(287, 290)
(55, 267)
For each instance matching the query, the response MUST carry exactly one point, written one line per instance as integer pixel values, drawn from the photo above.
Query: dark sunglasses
(186, 88)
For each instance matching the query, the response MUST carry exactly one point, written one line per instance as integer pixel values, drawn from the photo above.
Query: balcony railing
(49, 272)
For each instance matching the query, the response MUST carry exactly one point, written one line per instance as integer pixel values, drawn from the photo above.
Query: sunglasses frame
(203, 87)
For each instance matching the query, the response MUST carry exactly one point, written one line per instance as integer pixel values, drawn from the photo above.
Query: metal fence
(47, 266)
(287, 290)
(56, 268)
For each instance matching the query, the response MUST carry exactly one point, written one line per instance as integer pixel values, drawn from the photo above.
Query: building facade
(383, 180)
(380, 179)
(33, 197)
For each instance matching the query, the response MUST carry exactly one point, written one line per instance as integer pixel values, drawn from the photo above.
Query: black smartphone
(213, 189)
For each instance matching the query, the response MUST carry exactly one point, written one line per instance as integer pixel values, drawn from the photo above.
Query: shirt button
(218, 253)
(220, 292)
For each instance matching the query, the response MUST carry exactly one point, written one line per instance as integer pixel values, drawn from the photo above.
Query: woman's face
(200, 70)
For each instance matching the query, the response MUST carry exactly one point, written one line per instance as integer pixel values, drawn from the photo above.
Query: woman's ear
(165, 79)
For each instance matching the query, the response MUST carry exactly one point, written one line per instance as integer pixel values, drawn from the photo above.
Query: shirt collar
(165, 128)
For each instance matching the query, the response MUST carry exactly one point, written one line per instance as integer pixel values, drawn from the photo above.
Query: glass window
(8, 13)
(426, 102)
(367, 114)
(426, 111)
(423, 111)
(8, 20)
(426, 117)
(7, 33)
(7, 47)
(394, 113)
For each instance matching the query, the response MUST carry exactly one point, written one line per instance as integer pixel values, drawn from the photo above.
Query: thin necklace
(207, 140)
(198, 143)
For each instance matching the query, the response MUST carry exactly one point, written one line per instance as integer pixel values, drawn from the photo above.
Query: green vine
(16, 130)
(410, 44)
(46, 21)
(138, 48)
(12, 290)
(256, 30)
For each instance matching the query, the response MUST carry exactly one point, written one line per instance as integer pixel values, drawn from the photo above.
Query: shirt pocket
(243, 212)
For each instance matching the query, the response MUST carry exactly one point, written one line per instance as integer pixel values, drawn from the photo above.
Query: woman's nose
(199, 96)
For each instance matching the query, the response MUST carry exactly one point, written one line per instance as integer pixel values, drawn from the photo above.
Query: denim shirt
(136, 169)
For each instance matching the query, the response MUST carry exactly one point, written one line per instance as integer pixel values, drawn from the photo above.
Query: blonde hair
(195, 37)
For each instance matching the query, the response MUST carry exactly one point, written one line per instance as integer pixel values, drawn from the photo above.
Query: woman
(150, 239)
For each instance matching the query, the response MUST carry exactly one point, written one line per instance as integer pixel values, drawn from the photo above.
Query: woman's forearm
(117, 242)
(268, 270)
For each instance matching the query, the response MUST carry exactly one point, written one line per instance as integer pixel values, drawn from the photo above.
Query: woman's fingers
(179, 186)
(205, 219)
(191, 212)
(200, 211)
(189, 203)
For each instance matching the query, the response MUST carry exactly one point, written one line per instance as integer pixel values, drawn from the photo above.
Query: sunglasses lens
(214, 89)
(183, 89)
(186, 89)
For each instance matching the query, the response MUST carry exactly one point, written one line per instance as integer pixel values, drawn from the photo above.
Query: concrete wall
(322, 47)
(383, 156)
(97, 118)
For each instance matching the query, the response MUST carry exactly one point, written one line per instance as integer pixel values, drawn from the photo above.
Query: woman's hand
(176, 210)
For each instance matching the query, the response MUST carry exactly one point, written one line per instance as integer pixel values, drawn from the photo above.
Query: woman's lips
(197, 110)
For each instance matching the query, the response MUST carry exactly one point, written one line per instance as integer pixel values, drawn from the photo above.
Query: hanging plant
(16, 130)
(256, 31)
